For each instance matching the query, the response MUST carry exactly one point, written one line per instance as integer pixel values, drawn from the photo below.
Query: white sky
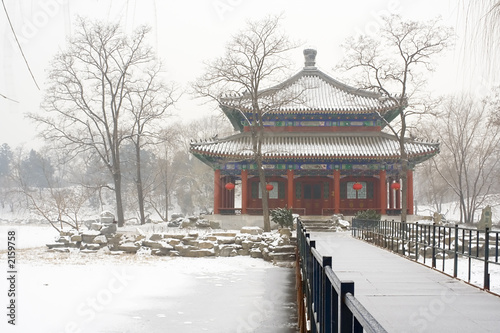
(188, 32)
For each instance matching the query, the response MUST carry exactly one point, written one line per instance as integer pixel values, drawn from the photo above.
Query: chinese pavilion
(324, 154)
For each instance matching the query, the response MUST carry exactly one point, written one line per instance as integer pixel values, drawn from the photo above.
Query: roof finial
(310, 57)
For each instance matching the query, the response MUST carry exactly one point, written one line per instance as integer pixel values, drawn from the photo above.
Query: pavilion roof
(376, 146)
(311, 91)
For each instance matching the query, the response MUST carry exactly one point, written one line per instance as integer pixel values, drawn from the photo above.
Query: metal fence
(434, 245)
(326, 303)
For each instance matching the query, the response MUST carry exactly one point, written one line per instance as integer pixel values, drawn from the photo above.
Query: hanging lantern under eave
(229, 186)
(357, 186)
(269, 187)
(395, 186)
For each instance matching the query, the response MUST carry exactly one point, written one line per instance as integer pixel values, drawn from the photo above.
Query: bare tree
(253, 58)
(469, 157)
(87, 95)
(149, 98)
(395, 63)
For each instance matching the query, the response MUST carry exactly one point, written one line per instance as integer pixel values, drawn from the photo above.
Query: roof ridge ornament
(310, 58)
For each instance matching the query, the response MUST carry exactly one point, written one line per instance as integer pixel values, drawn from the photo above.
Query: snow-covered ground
(77, 292)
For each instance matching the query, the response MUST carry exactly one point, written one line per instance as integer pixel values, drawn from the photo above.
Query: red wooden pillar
(383, 192)
(398, 197)
(336, 191)
(391, 195)
(409, 196)
(217, 191)
(244, 191)
(290, 196)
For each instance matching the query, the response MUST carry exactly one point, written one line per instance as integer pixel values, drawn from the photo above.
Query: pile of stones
(277, 247)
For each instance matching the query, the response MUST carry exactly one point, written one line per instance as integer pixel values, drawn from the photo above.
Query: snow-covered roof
(313, 91)
(302, 146)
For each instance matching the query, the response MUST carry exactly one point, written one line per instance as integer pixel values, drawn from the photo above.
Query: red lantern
(395, 186)
(357, 186)
(229, 186)
(269, 187)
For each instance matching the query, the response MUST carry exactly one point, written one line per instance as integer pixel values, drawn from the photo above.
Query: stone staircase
(321, 224)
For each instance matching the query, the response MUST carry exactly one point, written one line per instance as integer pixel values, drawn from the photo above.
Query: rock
(203, 224)
(224, 234)
(247, 245)
(186, 223)
(255, 253)
(177, 215)
(214, 224)
(199, 253)
(211, 238)
(190, 241)
(255, 238)
(63, 239)
(76, 238)
(174, 241)
(227, 251)
(285, 232)
(164, 246)
(226, 240)
(106, 217)
(101, 239)
(109, 229)
(156, 237)
(88, 251)
(151, 244)
(251, 230)
(96, 226)
(92, 247)
(140, 234)
(88, 236)
(205, 245)
(129, 247)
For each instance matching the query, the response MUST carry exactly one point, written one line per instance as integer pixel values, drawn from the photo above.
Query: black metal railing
(435, 245)
(330, 304)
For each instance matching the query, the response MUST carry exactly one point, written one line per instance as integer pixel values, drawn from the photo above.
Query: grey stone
(156, 237)
(129, 247)
(215, 224)
(109, 229)
(96, 226)
(205, 245)
(255, 253)
(226, 240)
(101, 239)
(227, 251)
(106, 217)
(76, 238)
(88, 236)
(252, 230)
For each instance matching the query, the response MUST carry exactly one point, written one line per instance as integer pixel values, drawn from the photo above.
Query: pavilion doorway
(313, 195)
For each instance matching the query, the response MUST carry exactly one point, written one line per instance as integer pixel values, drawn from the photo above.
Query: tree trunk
(117, 178)
(138, 182)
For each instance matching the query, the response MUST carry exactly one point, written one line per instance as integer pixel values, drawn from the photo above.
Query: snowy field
(77, 292)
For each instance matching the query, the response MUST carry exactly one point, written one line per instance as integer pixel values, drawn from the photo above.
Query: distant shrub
(369, 214)
(282, 216)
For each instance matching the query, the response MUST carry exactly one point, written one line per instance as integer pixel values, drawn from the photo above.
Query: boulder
(129, 247)
(76, 238)
(227, 251)
(155, 237)
(205, 245)
(109, 229)
(255, 253)
(88, 236)
(106, 217)
(252, 230)
(101, 239)
(226, 240)
(203, 224)
(177, 215)
(96, 226)
(214, 224)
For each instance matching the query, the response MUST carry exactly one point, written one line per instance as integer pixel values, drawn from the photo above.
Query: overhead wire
(19, 45)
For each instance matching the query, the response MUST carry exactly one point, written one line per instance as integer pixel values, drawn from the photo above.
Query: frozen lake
(76, 292)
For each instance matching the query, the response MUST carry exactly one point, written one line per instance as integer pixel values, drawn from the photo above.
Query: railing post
(434, 245)
(403, 234)
(455, 258)
(346, 320)
(486, 258)
(326, 318)
(416, 241)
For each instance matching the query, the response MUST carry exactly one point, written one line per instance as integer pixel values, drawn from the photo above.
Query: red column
(244, 191)
(391, 195)
(290, 196)
(383, 192)
(336, 191)
(409, 196)
(398, 197)
(217, 191)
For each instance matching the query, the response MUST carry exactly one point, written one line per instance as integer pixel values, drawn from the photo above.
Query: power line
(19, 45)
(10, 99)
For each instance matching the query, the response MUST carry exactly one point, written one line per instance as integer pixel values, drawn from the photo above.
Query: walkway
(405, 296)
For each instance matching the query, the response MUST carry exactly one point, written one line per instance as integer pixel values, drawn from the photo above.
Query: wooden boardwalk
(405, 296)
